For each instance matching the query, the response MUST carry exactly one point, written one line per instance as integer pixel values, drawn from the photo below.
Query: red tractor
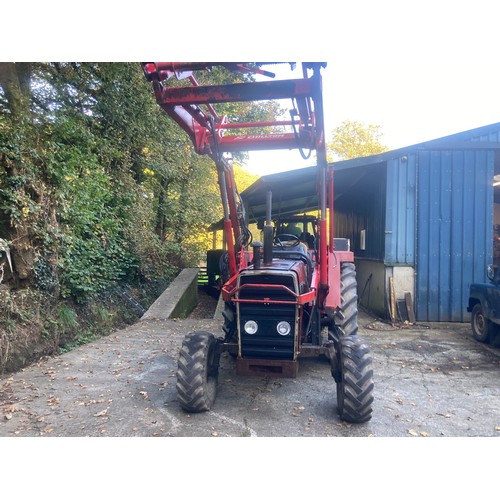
(283, 299)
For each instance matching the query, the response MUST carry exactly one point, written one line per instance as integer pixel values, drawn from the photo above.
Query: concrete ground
(430, 380)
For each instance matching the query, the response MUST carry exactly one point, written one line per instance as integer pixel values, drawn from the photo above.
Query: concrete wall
(373, 284)
(178, 300)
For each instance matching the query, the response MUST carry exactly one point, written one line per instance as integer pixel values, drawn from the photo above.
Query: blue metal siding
(400, 210)
(454, 230)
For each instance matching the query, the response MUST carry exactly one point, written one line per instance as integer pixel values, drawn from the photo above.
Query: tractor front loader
(283, 300)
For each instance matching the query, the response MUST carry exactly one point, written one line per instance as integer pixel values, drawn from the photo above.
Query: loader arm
(193, 108)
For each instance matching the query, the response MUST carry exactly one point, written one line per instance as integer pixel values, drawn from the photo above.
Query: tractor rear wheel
(346, 317)
(197, 372)
(355, 380)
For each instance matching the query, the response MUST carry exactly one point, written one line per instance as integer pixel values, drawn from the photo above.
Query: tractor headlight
(283, 328)
(250, 327)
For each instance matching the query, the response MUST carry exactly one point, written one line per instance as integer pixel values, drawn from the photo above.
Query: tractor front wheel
(198, 372)
(355, 380)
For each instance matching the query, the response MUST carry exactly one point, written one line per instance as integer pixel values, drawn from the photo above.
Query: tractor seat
(297, 252)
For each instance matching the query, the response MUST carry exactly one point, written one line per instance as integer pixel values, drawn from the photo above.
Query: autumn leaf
(412, 432)
(52, 401)
(344, 424)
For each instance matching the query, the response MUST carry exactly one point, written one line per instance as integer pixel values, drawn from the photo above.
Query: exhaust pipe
(268, 231)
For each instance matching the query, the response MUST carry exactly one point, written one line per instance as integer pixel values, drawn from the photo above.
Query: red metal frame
(183, 105)
(300, 299)
(192, 107)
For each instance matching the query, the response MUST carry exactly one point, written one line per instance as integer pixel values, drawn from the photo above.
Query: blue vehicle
(484, 306)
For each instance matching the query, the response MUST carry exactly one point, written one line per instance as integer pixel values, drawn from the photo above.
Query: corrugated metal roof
(294, 191)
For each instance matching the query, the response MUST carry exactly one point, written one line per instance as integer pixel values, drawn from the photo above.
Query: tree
(97, 184)
(353, 139)
(16, 138)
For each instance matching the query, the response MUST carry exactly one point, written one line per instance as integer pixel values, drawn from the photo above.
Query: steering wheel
(288, 237)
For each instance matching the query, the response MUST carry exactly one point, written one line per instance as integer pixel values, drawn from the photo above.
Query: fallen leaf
(215, 434)
(47, 431)
(497, 428)
(443, 415)
(101, 413)
(344, 424)
(412, 432)
(424, 434)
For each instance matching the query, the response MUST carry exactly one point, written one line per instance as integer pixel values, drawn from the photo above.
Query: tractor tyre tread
(355, 390)
(197, 372)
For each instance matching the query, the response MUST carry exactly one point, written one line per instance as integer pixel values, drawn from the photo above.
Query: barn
(422, 220)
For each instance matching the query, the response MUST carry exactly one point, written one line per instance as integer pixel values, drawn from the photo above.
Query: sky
(418, 69)
(411, 103)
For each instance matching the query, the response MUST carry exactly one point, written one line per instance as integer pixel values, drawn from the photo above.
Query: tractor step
(267, 367)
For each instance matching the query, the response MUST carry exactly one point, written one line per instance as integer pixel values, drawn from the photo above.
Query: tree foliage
(353, 139)
(97, 185)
